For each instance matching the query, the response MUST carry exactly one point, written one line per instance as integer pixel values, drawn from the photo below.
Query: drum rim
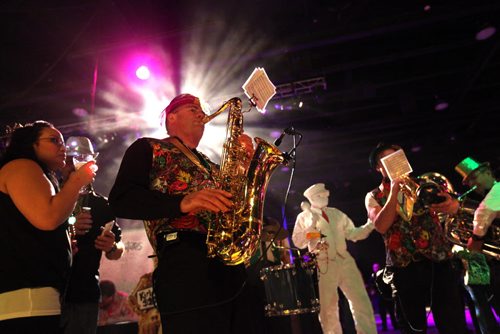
(314, 308)
(287, 266)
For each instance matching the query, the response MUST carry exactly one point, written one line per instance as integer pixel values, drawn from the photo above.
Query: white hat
(79, 146)
(314, 189)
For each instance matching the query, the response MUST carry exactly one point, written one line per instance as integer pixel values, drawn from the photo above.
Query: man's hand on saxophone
(215, 200)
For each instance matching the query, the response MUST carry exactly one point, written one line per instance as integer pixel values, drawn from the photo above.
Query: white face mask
(320, 200)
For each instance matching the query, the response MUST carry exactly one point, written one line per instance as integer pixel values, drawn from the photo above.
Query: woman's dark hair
(20, 144)
(381, 147)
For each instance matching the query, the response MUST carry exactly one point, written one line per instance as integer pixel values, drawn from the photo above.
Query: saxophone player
(169, 185)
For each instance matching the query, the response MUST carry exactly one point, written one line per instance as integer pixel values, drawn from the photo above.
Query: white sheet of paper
(396, 164)
(259, 88)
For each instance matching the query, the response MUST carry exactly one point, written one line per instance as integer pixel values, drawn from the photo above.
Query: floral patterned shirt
(175, 173)
(154, 177)
(407, 241)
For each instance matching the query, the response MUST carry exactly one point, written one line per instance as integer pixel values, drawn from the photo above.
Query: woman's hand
(84, 175)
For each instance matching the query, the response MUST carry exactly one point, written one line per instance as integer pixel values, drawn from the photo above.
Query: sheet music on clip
(396, 164)
(259, 88)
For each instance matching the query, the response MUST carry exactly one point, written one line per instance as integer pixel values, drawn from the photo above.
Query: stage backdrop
(125, 272)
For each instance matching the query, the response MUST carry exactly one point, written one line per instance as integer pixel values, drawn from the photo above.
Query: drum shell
(290, 289)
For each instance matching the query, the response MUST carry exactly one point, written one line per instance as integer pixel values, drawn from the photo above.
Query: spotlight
(80, 112)
(486, 32)
(440, 104)
(301, 104)
(143, 72)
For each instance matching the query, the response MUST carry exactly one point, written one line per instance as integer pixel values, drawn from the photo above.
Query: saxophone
(234, 236)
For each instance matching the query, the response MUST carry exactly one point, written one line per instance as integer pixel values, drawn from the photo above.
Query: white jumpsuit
(336, 267)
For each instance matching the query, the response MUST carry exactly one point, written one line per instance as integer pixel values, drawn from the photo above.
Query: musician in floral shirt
(418, 254)
(169, 185)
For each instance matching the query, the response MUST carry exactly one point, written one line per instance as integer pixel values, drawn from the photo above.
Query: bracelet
(113, 249)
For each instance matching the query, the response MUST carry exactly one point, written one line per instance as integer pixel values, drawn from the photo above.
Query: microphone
(288, 131)
(278, 140)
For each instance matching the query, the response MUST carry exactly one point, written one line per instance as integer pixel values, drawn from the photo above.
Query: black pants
(428, 283)
(196, 294)
(495, 284)
(484, 315)
(387, 307)
(28, 325)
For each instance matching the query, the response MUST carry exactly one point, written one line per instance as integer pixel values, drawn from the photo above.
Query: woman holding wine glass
(35, 251)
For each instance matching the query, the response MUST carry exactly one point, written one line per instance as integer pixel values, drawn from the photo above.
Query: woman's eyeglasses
(54, 140)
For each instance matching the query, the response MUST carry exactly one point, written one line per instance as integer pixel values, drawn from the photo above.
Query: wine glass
(82, 159)
(79, 161)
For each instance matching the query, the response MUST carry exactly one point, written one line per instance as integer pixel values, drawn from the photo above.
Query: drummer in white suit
(324, 231)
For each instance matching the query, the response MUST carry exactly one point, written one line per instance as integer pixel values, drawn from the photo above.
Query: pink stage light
(143, 72)
(486, 32)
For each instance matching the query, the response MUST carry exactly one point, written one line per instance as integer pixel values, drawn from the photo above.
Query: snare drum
(290, 289)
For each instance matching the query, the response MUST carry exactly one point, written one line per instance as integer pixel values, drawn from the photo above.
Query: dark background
(366, 71)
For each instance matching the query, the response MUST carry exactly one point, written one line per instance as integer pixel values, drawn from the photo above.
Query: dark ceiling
(381, 65)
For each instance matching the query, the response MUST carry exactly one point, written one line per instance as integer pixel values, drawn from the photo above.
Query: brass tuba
(234, 235)
(459, 229)
(425, 188)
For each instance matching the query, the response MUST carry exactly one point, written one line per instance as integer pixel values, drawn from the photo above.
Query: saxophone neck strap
(194, 156)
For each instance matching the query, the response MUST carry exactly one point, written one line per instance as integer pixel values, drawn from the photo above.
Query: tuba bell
(425, 188)
(459, 229)
(234, 236)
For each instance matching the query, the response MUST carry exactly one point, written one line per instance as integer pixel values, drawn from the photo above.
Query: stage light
(80, 112)
(275, 134)
(143, 72)
(416, 148)
(301, 104)
(485, 32)
(216, 65)
(441, 105)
